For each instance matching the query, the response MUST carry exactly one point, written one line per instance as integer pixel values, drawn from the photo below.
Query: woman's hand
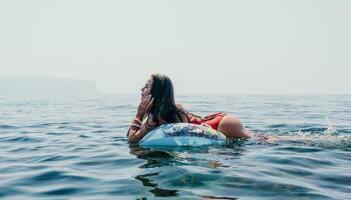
(144, 106)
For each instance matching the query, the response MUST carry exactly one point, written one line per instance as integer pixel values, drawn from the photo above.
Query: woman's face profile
(146, 90)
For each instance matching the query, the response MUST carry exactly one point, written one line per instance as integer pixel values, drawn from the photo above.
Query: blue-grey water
(76, 148)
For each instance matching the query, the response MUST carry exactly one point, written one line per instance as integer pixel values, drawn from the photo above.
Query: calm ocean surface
(76, 148)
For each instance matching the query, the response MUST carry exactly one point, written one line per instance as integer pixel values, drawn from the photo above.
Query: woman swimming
(158, 107)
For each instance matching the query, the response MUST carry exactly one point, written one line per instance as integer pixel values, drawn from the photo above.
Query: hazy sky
(248, 46)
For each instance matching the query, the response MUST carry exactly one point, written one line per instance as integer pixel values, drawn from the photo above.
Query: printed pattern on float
(182, 134)
(190, 130)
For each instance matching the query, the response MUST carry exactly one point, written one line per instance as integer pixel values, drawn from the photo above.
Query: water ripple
(4, 126)
(62, 191)
(20, 139)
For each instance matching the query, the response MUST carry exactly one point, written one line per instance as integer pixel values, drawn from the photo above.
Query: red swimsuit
(212, 120)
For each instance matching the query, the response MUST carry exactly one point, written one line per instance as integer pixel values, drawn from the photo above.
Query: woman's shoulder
(180, 106)
(182, 109)
(186, 116)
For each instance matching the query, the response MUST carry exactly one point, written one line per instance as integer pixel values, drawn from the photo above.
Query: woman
(158, 107)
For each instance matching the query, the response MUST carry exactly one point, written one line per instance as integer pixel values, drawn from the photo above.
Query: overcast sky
(234, 47)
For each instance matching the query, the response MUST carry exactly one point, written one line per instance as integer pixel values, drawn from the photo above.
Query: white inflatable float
(182, 134)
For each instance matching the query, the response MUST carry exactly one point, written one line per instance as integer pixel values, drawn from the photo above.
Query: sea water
(54, 147)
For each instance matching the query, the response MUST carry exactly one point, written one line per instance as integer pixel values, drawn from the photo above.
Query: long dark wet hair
(164, 106)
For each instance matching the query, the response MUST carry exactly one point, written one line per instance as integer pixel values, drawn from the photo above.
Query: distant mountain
(24, 85)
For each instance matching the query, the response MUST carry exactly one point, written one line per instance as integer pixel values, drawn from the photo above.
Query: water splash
(331, 130)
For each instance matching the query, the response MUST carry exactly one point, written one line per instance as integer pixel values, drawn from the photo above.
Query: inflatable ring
(182, 134)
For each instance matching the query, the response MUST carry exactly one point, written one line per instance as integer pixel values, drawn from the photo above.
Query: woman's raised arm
(137, 129)
(136, 133)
